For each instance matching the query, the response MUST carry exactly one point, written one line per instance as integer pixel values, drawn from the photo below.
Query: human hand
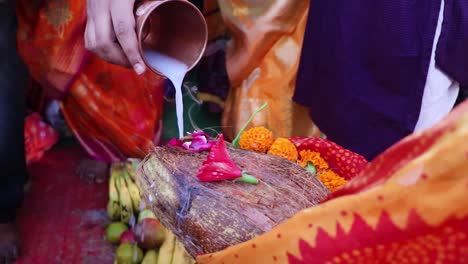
(110, 33)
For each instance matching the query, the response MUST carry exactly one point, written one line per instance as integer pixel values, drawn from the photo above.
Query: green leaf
(311, 168)
(247, 178)
(235, 142)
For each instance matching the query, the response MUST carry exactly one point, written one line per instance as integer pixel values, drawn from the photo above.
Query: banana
(113, 205)
(166, 251)
(126, 206)
(180, 255)
(151, 257)
(132, 165)
(133, 190)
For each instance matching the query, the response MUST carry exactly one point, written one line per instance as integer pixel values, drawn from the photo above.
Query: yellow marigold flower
(313, 157)
(331, 180)
(284, 148)
(258, 139)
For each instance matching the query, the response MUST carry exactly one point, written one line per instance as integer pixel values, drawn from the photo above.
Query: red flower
(198, 143)
(194, 142)
(219, 167)
(175, 143)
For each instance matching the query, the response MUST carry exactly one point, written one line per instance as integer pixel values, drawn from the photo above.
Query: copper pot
(175, 28)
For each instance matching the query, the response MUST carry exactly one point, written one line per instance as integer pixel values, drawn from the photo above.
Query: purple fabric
(452, 53)
(365, 62)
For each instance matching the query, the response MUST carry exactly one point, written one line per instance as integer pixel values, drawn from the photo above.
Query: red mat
(63, 219)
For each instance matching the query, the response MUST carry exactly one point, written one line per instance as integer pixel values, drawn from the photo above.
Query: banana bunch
(124, 205)
(124, 194)
(113, 206)
(173, 252)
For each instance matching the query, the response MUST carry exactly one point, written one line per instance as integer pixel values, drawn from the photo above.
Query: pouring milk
(175, 71)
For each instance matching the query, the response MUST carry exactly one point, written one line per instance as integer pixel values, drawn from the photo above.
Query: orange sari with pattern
(407, 206)
(113, 112)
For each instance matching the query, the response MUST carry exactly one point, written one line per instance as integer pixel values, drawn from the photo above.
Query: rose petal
(218, 166)
(174, 142)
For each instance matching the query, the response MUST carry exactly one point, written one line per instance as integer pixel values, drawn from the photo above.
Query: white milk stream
(175, 71)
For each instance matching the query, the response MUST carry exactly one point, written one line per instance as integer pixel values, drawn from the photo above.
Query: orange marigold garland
(344, 162)
(313, 157)
(328, 177)
(257, 139)
(260, 139)
(284, 148)
(331, 180)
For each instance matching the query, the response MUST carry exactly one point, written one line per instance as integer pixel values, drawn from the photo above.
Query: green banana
(126, 206)
(133, 190)
(113, 205)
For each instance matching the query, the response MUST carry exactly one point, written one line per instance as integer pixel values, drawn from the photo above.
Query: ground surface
(63, 219)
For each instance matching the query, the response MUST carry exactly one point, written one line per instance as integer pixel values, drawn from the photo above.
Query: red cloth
(39, 137)
(345, 163)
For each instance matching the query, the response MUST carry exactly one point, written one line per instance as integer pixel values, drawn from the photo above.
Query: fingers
(124, 27)
(99, 33)
(90, 37)
(106, 45)
(100, 37)
(143, 8)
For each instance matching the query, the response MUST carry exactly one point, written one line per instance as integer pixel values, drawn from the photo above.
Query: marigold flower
(258, 139)
(284, 148)
(313, 157)
(331, 180)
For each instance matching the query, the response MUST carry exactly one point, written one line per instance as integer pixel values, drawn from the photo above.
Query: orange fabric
(262, 62)
(408, 206)
(113, 112)
(50, 41)
(115, 107)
